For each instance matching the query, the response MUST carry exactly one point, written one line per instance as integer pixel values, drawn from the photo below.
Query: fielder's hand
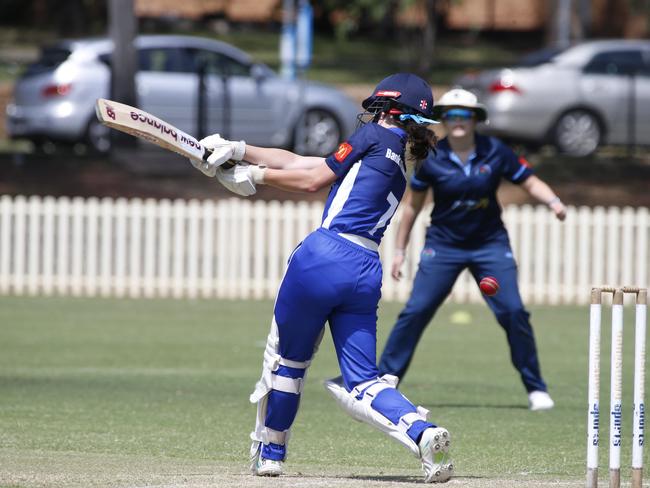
(398, 261)
(223, 150)
(558, 209)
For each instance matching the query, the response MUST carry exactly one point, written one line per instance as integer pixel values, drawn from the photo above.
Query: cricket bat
(144, 125)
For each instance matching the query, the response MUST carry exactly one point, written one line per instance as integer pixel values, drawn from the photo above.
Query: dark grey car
(55, 97)
(590, 94)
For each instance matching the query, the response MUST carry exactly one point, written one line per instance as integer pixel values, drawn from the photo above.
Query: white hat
(458, 97)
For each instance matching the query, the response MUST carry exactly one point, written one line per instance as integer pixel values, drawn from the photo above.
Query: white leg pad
(272, 360)
(263, 435)
(269, 381)
(362, 410)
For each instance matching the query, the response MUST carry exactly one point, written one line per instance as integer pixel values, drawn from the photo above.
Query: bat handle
(227, 165)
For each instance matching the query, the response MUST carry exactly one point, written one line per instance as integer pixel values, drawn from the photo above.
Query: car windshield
(537, 58)
(50, 59)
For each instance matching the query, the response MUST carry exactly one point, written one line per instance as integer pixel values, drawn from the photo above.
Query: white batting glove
(223, 149)
(239, 179)
(216, 142)
(204, 167)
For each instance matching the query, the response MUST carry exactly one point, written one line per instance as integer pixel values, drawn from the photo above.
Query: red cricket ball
(489, 285)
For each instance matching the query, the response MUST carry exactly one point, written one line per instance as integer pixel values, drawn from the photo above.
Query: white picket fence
(238, 249)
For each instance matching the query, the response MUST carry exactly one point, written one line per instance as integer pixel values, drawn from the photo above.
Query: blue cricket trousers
(438, 270)
(330, 279)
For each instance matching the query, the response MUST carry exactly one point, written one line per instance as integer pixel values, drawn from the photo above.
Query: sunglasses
(458, 114)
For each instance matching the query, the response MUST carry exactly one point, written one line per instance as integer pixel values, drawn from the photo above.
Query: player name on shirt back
(393, 156)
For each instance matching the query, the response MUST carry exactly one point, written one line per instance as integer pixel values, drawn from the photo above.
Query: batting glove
(238, 179)
(223, 149)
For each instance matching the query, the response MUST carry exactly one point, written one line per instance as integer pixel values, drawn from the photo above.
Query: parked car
(578, 98)
(54, 99)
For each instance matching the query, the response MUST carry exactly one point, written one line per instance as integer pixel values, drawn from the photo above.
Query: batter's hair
(421, 140)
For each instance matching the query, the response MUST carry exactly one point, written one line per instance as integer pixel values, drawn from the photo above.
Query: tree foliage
(352, 16)
(380, 18)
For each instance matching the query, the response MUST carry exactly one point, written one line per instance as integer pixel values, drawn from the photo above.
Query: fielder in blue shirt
(334, 276)
(466, 231)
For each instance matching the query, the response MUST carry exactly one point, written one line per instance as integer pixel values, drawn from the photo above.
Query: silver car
(54, 99)
(590, 94)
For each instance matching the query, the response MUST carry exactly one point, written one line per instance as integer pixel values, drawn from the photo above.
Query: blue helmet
(402, 94)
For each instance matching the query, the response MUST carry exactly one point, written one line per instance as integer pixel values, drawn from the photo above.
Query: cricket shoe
(265, 467)
(434, 453)
(540, 400)
(268, 467)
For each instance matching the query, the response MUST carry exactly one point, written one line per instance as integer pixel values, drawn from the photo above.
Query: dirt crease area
(77, 470)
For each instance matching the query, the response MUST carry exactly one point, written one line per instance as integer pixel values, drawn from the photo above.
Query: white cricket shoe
(434, 454)
(261, 466)
(540, 400)
(267, 467)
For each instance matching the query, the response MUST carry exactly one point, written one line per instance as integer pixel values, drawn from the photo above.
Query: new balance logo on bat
(164, 129)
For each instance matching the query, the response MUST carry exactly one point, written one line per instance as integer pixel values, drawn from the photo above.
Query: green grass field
(98, 392)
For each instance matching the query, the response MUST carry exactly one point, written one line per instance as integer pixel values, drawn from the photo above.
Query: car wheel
(98, 136)
(317, 133)
(44, 147)
(578, 133)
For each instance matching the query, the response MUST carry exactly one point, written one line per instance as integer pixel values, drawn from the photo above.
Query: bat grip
(227, 165)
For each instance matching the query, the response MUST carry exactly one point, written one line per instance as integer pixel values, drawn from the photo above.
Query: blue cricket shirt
(371, 182)
(466, 212)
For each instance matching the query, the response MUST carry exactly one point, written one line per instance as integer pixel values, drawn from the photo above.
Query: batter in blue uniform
(466, 231)
(334, 275)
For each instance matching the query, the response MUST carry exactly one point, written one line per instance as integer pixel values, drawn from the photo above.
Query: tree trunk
(425, 63)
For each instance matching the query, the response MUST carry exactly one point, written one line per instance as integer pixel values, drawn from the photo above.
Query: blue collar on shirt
(467, 168)
(482, 148)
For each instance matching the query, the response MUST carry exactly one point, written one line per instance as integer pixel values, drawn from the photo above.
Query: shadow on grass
(400, 478)
(475, 405)
(386, 478)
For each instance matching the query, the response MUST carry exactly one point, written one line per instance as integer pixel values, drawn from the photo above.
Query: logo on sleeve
(342, 152)
(524, 162)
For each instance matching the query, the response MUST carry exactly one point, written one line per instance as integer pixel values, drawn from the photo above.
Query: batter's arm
(280, 158)
(300, 180)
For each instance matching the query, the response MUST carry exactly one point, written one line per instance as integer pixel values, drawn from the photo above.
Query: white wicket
(616, 394)
(593, 410)
(639, 381)
(616, 381)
